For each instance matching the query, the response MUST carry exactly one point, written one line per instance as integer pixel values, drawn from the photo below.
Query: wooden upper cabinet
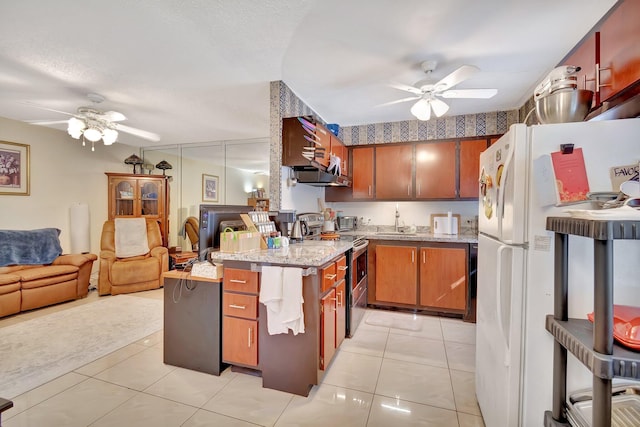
(362, 162)
(470, 166)
(340, 150)
(619, 49)
(585, 57)
(396, 274)
(443, 278)
(436, 170)
(394, 172)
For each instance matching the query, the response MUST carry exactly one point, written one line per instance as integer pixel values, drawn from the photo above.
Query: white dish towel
(281, 293)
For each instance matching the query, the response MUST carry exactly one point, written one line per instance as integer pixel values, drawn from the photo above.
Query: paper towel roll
(449, 223)
(80, 228)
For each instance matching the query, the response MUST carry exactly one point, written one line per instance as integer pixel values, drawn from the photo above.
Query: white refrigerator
(514, 352)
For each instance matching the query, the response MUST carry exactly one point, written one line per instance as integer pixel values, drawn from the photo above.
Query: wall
(62, 172)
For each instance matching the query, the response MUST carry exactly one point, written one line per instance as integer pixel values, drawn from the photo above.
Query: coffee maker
(285, 221)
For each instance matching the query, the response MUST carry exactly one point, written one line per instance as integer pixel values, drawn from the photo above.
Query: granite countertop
(308, 253)
(422, 234)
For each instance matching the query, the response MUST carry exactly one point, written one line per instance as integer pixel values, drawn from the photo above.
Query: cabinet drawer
(240, 305)
(329, 277)
(341, 268)
(240, 280)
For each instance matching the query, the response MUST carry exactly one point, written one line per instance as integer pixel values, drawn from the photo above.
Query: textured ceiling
(199, 70)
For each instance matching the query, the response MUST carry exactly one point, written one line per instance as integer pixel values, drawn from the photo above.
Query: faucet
(397, 217)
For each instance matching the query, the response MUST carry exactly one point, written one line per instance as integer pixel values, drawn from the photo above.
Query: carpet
(39, 350)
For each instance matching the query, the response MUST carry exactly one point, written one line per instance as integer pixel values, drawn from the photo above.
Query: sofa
(34, 273)
(132, 273)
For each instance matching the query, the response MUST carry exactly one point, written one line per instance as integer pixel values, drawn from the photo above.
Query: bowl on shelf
(564, 106)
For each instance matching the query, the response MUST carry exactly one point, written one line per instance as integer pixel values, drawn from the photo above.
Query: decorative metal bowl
(564, 106)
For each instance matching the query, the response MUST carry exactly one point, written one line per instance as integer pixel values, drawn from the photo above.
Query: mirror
(241, 167)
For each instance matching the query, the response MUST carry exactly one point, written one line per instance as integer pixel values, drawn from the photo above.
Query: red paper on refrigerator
(571, 176)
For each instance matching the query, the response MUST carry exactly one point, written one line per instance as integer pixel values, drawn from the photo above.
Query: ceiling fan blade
(138, 132)
(47, 122)
(457, 76)
(469, 93)
(406, 88)
(439, 107)
(47, 109)
(114, 116)
(411, 98)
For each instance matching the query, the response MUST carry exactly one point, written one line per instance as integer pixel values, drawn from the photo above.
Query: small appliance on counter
(448, 224)
(347, 223)
(311, 225)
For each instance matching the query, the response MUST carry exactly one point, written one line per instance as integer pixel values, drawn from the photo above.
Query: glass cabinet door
(149, 194)
(125, 198)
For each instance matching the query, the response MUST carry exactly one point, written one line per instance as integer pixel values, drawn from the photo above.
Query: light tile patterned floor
(416, 371)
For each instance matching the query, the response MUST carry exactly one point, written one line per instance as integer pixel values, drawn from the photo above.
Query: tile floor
(399, 370)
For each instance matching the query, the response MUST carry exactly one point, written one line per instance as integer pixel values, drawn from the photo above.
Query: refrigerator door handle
(507, 352)
(501, 194)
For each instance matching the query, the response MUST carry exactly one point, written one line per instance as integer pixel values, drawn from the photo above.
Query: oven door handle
(360, 245)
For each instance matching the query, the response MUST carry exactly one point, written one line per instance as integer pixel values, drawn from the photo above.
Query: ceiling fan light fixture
(109, 136)
(421, 110)
(439, 107)
(93, 134)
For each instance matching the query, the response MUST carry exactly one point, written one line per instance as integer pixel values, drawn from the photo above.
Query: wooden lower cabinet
(396, 274)
(240, 342)
(240, 317)
(328, 333)
(341, 312)
(416, 275)
(443, 278)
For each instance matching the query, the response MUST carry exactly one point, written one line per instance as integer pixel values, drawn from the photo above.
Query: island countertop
(309, 253)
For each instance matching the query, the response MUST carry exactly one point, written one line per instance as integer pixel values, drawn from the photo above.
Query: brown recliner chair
(192, 229)
(138, 273)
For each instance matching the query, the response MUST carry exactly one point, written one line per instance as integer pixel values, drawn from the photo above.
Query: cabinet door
(362, 160)
(585, 57)
(619, 49)
(151, 195)
(443, 278)
(123, 197)
(394, 172)
(240, 341)
(436, 170)
(396, 274)
(340, 150)
(341, 312)
(328, 324)
(470, 166)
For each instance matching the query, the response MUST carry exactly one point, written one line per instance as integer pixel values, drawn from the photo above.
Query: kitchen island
(286, 362)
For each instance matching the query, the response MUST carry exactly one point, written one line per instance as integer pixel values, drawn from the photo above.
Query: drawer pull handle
(342, 268)
(237, 281)
(330, 276)
(250, 330)
(242, 307)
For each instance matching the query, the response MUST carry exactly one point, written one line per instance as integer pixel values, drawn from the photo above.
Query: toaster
(347, 223)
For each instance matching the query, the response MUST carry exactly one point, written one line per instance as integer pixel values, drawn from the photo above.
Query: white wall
(62, 172)
(301, 197)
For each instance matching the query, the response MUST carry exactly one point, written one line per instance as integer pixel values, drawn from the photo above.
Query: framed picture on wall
(209, 188)
(14, 169)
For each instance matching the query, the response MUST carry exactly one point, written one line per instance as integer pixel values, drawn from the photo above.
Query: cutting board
(439, 221)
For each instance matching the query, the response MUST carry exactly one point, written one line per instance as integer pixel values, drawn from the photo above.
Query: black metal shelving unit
(591, 344)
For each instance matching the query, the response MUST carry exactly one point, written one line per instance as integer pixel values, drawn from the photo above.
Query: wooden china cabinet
(140, 196)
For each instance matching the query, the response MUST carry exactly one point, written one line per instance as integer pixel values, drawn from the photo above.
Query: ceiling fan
(93, 124)
(427, 92)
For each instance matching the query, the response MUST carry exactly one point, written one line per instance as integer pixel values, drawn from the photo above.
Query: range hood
(319, 177)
